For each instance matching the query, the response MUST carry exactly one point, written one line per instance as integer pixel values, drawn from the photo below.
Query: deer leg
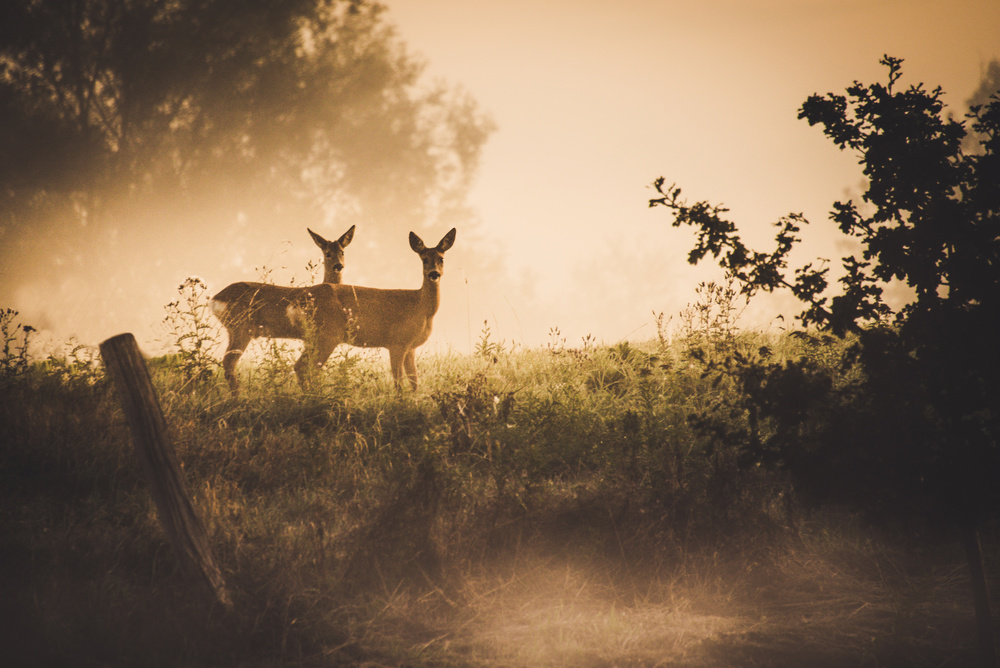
(238, 342)
(396, 358)
(410, 366)
(313, 357)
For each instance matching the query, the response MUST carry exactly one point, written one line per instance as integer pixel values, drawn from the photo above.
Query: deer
(251, 310)
(398, 320)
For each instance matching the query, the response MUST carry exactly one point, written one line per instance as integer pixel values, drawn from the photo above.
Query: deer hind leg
(238, 342)
(410, 366)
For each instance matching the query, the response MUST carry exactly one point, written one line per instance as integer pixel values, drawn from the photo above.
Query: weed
(487, 349)
(77, 363)
(314, 271)
(663, 329)
(16, 336)
(557, 346)
(557, 342)
(194, 335)
(710, 325)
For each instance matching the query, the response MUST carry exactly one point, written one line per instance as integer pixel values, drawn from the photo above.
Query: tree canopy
(916, 434)
(299, 107)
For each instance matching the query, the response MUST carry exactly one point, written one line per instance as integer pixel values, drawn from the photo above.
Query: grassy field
(553, 506)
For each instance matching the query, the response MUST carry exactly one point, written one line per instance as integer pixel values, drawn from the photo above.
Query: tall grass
(340, 513)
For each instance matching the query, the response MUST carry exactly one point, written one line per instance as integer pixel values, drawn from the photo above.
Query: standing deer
(398, 320)
(248, 310)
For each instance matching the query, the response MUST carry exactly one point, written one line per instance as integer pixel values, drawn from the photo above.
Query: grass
(526, 507)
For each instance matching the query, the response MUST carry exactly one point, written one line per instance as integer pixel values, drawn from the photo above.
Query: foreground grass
(541, 507)
(811, 607)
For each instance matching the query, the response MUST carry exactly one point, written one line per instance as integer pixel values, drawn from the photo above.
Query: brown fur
(248, 310)
(398, 320)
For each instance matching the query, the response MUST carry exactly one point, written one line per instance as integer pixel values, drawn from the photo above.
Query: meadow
(563, 505)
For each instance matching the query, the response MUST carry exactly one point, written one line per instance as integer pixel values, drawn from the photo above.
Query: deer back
(375, 318)
(261, 309)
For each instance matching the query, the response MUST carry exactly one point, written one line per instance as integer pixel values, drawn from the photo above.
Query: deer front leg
(396, 359)
(410, 366)
(314, 356)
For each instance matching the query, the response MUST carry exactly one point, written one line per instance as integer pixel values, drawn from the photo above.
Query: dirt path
(806, 614)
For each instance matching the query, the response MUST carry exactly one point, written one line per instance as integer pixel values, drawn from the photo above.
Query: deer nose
(338, 267)
(434, 275)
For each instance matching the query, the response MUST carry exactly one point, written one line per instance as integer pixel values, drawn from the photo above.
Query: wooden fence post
(184, 528)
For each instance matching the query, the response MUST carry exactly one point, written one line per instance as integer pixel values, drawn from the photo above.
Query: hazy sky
(593, 100)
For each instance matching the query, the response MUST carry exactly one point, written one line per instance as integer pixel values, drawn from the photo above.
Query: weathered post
(127, 368)
(980, 596)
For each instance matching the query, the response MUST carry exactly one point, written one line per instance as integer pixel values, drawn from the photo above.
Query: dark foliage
(255, 106)
(913, 432)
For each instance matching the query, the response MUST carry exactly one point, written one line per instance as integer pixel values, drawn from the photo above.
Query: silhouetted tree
(249, 105)
(913, 436)
(989, 85)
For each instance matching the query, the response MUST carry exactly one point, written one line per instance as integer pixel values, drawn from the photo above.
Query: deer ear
(416, 243)
(320, 241)
(346, 237)
(447, 241)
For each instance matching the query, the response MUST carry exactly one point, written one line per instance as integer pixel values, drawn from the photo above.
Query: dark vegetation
(569, 505)
(912, 441)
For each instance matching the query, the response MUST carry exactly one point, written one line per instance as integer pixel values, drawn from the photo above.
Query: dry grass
(558, 614)
(541, 613)
(537, 508)
(833, 600)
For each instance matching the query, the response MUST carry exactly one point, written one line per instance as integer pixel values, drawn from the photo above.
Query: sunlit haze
(592, 101)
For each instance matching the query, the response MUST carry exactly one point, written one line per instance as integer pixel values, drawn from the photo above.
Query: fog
(589, 106)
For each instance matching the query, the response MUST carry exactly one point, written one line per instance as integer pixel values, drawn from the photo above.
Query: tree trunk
(178, 516)
(980, 596)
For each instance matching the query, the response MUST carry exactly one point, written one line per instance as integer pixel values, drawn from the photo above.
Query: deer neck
(430, 296)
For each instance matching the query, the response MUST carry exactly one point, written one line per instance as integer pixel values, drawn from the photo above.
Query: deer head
(333, 254)
(433, 258)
